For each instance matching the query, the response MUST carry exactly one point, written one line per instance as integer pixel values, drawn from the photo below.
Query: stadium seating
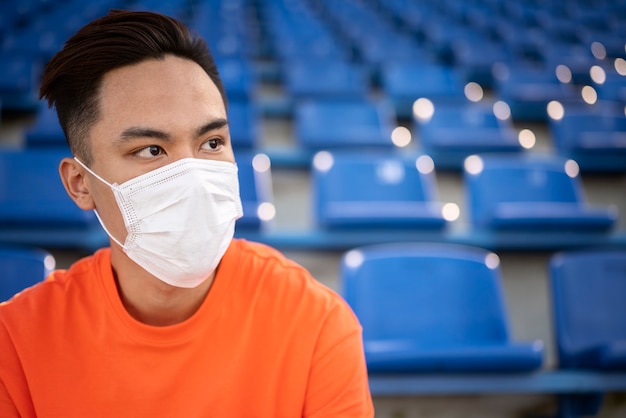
(455, 131)
(22, 267)
(369, 191)
(433, 308)
(244, 124)
(45, 130)
(593, 136)
(320, 124)
(587, 289)
(255, 188)
(34, 207)
(530, 194)
(330, 79)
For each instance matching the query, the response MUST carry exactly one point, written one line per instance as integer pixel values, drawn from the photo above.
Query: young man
(176, 318)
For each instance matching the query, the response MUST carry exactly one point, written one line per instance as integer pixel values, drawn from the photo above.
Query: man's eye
(151, 151)
(214, 143)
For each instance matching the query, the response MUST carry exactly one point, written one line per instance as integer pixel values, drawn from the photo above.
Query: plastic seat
(455, 131)
(22, 267)
(255, 188)
(331, 79)
(35, 208)
(46, 130)
(587, 289)
(243, 124)
(518, 193)
(18, 82)
(348, 123)
(528, 90)
(593, 136)
(404, 83)
(432, 308)
(363, 190)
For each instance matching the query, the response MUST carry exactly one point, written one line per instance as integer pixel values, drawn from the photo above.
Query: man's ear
(74, 179)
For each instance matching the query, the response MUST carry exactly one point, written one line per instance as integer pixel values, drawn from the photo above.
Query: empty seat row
(537, 199)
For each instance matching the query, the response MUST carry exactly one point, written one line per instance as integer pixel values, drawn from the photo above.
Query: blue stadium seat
(46, 129)
(433, 308)
(587, 298)
(255, 188)
(22, 267)
(405, 82)
(19, 82)
(35, 208)
(244, 124)
(381, 190)
(348, 123)
(588, 289)
(528, 90)
(455, 131)
(530, 194)
(330, 79)
(593, 136)
(612, 88)
(238, 78)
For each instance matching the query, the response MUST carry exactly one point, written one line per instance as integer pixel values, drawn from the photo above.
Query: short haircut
(73, 77)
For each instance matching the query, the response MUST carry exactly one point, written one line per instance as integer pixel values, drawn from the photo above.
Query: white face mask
(179, 218)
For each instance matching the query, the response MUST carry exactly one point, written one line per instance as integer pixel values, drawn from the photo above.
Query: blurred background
(443, 88)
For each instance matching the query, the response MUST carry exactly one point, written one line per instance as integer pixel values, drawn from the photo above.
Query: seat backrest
(364, 177)
(255, 189)
(434, 294)
(22, 267)
(31, 191)
(492, 180)
(588, 290)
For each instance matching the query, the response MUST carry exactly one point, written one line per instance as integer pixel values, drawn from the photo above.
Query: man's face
(152, 114)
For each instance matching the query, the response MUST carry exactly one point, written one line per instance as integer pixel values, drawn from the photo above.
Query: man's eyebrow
(211, 126)
(139, 132)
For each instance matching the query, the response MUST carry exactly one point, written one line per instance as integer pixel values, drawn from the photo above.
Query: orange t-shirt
(268, 341)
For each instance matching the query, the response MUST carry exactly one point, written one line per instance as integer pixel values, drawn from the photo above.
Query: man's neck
(152, 301)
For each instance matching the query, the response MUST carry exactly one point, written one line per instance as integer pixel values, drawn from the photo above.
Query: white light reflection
(424, 164)
(423, 109)
(555, 109)
(323, 161)
(261, 163)
(450, 212)
(473, 92)
(598, 50)
(501, 110)
(597, 74)
(492, 261)
(401, 136)
(563, 73)
(527, 138)
(571, 168)
(353, 259)
(266, 211)
(589, 95)
(473, 164)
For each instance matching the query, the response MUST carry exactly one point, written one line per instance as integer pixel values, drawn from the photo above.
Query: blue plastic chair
(528, 90)
(530, 193)
(243, 124)
(46, 129)
(18, 82)
(330, 79)
(22, 267)
(255, 188)
(455, 131)
(35, 208)
(363, 190)
(432, 308)
(595, 137)
(589, 317)
(323, 124)
(404, 83)
(588, 289)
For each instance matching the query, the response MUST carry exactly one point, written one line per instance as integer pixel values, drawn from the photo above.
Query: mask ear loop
(95, 211)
